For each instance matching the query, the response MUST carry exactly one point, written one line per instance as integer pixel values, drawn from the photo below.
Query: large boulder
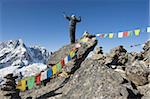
(117, 56)
(145, 91)
(96, 81)
(138, 72)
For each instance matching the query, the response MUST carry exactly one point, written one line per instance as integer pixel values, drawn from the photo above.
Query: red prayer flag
(62, 63)
(125, 33)
(101, 35)
(38, 79)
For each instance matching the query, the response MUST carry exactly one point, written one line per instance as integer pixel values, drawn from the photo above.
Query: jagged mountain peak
(15, 52)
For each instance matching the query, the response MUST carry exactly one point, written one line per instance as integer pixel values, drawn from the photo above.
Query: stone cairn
(9, 88)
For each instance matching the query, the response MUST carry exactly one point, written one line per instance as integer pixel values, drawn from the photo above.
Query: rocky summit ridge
(115, 75)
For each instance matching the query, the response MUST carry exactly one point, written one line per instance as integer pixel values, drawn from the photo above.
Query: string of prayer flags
(30, 82)
(54, 69)
(46, 74)
(148, 29)
(38, 79)
(49, 73)
(21, 85)
(135, 45)
(43, 75)
(137, 32)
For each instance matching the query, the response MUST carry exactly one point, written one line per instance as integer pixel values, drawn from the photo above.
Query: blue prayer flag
(69, 58)
(49, 73)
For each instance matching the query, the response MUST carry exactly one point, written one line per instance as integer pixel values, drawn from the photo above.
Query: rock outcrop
(9, 88)
(87, 44)
(96, 81)
(117, 56)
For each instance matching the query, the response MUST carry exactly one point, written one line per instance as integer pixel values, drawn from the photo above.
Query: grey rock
(94, 81)
(81, 54)
(138, 73)
(117, 56)
(145, 91)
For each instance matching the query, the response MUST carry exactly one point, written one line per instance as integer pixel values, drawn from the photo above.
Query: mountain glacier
(16, 53)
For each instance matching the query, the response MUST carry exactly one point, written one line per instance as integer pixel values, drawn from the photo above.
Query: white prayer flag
(120, 34)
(148, 29)
(97, 34)
(44, 75)
(66, 59)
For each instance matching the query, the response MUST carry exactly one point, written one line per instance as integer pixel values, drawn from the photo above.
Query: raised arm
(79, 20)
(67, 17)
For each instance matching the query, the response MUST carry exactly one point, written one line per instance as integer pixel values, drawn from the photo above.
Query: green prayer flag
(105, 35)
(59, 67)
(30, 82)
(130, 33)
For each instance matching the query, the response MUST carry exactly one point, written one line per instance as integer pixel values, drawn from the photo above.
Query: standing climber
(72, 26)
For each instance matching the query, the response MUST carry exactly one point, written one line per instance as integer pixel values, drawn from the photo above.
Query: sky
(41, 22)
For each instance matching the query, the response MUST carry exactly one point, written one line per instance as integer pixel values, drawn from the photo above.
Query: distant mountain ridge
(16, 53)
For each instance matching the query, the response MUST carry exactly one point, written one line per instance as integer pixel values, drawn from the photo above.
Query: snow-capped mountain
(16, 53)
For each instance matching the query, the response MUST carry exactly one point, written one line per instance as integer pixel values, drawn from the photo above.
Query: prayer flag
(137, 32)
(73, 49)
(66, 59)
(125, 34)
(105, 35)
(69, 58)
(78, 45)
(44, 75)
(111, 35)
(49, 73)
(21, 85)
(54, 69)
(131, 46)
(62, 62)
(38, 79)
(101, 35)
(72, 54)
(148, 29)
(130, 33)
(59, 67)
(97, 34)
(31, 82)
(120, 34)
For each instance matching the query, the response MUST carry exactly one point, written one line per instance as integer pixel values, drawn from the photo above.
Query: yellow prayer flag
(21, 85)
(137, 32)
(111, 35)
(54, 69)
(72, 54)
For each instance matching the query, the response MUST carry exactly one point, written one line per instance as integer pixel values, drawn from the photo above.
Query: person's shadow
(50, 94)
